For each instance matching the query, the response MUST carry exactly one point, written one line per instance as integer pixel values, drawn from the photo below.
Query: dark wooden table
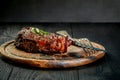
(107, 68)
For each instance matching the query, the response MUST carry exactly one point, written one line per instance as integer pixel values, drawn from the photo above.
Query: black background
(60, 10)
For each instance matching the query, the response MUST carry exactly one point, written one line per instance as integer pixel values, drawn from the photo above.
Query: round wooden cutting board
(75, 56)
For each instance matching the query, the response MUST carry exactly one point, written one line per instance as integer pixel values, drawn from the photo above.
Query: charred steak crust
(26, 44)
(30, 41)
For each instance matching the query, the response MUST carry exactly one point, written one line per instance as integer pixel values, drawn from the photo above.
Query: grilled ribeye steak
(32, 39)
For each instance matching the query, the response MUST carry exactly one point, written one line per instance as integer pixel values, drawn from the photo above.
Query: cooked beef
(32, 39)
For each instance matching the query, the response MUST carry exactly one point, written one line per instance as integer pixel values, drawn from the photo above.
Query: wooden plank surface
(107, 68)
(20, 72)
(5, 70)
(107, 35)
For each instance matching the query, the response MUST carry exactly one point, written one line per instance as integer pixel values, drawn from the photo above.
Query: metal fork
(87, 46)
(82, 42)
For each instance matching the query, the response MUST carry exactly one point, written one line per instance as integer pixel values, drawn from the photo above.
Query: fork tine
(81, 43)
(84, 45)
(87, 44)
(90, 45)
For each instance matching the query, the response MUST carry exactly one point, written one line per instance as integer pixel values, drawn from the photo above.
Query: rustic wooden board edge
(50, 63)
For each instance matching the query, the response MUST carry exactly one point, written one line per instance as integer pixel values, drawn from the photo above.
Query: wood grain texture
(37, 74)
(107, 68)
(19, 73)
(107, 35)
(9, 51)
(5, 67)
(5, 70)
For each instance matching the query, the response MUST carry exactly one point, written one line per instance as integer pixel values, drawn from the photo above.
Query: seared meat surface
(32, 39)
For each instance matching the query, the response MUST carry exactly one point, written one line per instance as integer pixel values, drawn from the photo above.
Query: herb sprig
(39, 31)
